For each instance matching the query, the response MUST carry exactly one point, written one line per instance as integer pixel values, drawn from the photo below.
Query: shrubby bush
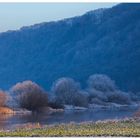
(29, 95)
(3, 98)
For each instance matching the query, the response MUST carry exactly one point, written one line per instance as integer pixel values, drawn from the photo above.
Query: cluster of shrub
(65, 91)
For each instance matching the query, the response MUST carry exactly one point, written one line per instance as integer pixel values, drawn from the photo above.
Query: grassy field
(127, 128)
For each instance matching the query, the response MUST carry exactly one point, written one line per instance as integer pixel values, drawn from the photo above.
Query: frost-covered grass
(127, 128)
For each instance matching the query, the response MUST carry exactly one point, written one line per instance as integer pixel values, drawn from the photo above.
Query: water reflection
(4, 120)
(9, 121)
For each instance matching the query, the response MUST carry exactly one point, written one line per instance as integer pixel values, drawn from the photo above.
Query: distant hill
(102, 41)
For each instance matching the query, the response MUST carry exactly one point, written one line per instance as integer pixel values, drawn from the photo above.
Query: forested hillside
(105, 41)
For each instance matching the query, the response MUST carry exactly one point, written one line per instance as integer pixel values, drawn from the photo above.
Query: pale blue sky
(15, 15)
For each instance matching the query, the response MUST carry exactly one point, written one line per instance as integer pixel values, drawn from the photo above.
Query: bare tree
(29, 95)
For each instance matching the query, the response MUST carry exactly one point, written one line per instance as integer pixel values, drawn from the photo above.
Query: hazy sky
(15, 15)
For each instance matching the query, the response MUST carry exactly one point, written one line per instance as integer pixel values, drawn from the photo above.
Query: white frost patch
(114, 106)
(71, 107)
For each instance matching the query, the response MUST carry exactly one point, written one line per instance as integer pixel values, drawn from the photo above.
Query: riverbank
(6, 110)
(117, 128)
(67, 108)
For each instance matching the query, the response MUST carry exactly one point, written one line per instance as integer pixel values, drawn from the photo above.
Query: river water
(8, 121)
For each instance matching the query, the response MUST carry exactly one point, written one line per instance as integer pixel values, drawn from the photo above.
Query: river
(10, 121)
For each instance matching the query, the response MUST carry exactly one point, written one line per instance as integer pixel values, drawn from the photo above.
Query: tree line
(65, 91)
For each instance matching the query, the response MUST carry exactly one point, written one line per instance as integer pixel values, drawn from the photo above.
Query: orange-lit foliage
(3, 98)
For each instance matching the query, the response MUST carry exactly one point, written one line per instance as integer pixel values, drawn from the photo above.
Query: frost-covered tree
(29, 95)
(103, 88)
(99, 86)
(101, 82)
(81, 99)
(93, 93)
(119, 97)
(65, 90)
